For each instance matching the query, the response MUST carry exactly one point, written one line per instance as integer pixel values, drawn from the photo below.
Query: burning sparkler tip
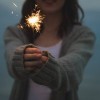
(35, 20)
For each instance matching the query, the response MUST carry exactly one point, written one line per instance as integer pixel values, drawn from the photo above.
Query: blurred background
(10, 14)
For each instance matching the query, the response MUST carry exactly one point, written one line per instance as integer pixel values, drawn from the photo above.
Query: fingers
(32, 50)
(44, 59)
(32, 63)
(34, 56)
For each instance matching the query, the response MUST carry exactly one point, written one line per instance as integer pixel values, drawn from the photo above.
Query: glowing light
(35, 20)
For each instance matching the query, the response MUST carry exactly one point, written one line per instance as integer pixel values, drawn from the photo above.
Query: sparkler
(35, 20)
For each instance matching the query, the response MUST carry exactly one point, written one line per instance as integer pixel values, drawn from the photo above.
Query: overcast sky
(86, 4)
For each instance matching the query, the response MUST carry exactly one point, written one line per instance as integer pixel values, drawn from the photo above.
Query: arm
(14, 46)
(76, 59)
(66, 72)
(21, 56)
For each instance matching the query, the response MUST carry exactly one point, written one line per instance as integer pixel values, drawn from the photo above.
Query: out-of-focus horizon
(90, 87)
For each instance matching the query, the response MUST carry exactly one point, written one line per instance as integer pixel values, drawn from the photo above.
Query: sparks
(35, 20)
(14, 4)
(12, 12)
(20, 26)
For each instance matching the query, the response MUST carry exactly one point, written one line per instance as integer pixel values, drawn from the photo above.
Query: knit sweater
(63, 75)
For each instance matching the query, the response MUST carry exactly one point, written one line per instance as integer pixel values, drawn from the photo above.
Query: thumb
(44, 59)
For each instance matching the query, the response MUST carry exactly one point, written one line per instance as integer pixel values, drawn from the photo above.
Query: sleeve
(14, 41)
(66, 72)
(77, 57)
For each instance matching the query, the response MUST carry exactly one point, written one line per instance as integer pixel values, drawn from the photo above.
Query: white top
(41, 92)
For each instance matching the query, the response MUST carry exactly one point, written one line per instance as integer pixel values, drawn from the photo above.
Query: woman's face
(51, 6)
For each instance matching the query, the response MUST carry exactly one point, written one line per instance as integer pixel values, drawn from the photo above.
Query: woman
(57, 73)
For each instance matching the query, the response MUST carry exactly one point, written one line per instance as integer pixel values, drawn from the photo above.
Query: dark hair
(72, 15)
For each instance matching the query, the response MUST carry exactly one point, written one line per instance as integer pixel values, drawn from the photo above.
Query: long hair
(72, 15)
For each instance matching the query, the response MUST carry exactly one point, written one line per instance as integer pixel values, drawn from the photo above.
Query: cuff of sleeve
(17, 61)
(48, 75)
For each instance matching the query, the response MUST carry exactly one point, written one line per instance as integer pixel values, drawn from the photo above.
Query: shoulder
(79, 33)
(82, 31)
(13, 29)
(15, 33)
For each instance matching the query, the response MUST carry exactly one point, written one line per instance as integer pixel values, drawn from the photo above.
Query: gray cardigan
(63, 75)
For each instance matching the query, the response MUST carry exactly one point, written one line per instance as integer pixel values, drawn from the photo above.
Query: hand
(33, 58)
